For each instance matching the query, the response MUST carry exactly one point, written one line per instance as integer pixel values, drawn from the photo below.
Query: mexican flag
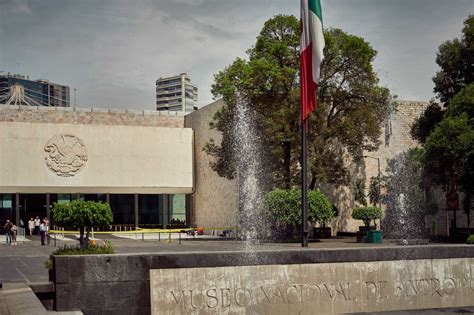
(311, 53)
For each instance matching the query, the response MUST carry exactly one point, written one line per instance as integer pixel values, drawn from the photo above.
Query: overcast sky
(113, 51)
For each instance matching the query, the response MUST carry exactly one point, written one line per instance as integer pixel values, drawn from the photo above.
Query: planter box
(321, 232)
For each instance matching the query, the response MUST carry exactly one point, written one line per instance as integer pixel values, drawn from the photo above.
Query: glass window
(150, 209)
(123, 208)
(177, 209)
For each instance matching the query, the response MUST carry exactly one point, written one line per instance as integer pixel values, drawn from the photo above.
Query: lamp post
(379, 177)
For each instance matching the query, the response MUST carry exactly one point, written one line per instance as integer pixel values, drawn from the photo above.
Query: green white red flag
(311, 54)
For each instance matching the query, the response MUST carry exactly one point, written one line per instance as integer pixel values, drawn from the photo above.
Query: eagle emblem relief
(66, 155)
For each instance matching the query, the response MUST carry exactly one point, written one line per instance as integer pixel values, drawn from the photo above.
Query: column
(48, 208)
(189, 210)
(17, 209)
(166, 210)
(136, 210)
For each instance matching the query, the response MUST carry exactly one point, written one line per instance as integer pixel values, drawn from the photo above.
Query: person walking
(42, 230)
(31, 226)
(8, 232)
(46, 226)
(37, 225)
(14, 231)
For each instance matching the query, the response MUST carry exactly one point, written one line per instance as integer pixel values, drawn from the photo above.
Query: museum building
(141, 162)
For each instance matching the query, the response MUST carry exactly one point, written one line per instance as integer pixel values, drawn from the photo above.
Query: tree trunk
(287, 164)
(81, 237)
(312, 184)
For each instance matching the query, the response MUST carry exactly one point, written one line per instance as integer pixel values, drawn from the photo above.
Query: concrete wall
(111, 284)
(105, 158)
(90, 116)
(215, 200)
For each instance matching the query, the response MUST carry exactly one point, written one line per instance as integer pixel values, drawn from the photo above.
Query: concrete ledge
(19, 299)
(101, 283)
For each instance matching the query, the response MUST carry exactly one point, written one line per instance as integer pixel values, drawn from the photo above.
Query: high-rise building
(39, 92)
(176, 93)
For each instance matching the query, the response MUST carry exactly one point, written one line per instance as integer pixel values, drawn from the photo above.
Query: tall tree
(450, 147)
(351, 104)
(456, 60)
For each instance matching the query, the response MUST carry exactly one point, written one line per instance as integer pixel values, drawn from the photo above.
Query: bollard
(179, 238)
(143, 236)
(169, 237)
(159, 236)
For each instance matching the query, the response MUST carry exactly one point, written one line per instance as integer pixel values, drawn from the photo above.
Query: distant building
(176, 93)
(41, 92)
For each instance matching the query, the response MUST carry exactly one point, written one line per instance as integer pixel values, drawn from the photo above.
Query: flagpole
(304, 183)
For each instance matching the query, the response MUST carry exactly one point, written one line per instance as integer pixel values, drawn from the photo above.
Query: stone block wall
(90, 116)
(214, 203)
(120, 284)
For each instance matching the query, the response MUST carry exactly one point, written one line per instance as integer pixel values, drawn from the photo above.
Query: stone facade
(215, 199)
(90, 116)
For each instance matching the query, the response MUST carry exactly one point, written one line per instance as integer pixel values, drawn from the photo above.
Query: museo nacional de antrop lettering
(367, 286)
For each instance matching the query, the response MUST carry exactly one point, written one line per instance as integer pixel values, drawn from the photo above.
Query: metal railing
(20, 234)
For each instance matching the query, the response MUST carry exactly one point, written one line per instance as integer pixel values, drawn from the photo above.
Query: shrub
(366, 214)
(283, 207)
(105, 248)
(470, 239)
(79, 213)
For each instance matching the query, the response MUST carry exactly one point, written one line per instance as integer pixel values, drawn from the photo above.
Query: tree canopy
(450, 147)
(79, 214)
(456, 60)
(351, 104)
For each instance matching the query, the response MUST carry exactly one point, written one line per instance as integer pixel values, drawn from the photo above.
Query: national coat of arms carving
(65, 155)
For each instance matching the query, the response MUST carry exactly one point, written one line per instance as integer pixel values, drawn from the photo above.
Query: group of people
(10, 232)
(39, 227)
(35, 226)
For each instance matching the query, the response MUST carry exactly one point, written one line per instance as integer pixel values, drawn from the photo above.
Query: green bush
(105, 248)
(283, 207)
(470, 239)
(367, 214)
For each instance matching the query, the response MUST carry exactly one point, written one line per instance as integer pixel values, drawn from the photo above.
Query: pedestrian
(37, 225)
(22, 224)
(42, 230)
(8, 232)
(13, 234)
(46, 225)
(31, 226)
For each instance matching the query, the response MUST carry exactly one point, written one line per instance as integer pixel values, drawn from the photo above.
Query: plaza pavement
(25, 261)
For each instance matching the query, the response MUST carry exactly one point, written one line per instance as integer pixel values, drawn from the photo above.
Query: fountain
(405, 213)
(247, 150)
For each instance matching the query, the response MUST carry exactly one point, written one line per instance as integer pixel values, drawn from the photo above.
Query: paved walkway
(25, 262)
